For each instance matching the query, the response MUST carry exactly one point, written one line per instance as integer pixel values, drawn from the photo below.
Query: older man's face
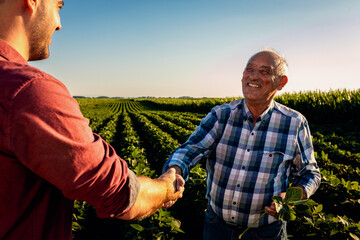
(260, 82)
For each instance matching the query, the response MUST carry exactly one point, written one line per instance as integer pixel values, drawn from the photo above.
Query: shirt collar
(263, 117)
(8, 53)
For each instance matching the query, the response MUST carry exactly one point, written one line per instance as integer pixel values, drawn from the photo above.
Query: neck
(12, 30)
(257, 108)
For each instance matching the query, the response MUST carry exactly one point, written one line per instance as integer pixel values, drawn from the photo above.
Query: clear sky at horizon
(199, 48)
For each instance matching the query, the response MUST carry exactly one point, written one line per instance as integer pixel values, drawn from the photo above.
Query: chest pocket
(271, 161)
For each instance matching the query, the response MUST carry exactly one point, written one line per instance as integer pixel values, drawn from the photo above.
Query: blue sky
(199, 48)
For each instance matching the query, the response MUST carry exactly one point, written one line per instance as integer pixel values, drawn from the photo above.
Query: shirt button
(112, 215)
(270, 155)
(233, 218)
(234, 203)
(238, 185)
(243, 167)
(248, 150)
(252, 133)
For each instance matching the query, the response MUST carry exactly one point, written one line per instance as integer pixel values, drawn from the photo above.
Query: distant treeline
(334, 106)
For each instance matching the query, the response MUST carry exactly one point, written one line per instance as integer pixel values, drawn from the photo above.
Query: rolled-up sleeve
(197, 147)
(134, 187)
(61, 148)
(305, 170)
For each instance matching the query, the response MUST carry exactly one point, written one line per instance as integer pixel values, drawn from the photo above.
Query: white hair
(281, 67)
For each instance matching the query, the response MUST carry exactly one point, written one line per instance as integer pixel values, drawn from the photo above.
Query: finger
(270, 211)
(181, 190)
(168, 204)
(180, 180)
(180, 183)
(171, 171)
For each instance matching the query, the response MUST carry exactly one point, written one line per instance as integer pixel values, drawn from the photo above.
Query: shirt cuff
(181, 165)
(134, 187)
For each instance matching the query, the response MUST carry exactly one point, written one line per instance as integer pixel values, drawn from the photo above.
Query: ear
(31, 5)
(283, 82)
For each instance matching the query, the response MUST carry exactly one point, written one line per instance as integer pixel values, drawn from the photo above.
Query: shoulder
(228, 106)
(223, 111)
(289, 112)
(16, 77)
(24, 86)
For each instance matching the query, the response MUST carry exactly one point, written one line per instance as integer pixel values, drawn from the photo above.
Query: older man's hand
(272, 210)
(179, 188)
(176, 187)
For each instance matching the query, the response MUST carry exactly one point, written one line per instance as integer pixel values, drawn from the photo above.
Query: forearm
(304, 194)
(152, 194)
(196, 148)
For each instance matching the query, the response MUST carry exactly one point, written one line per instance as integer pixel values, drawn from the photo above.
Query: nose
(58, 27)
(58, 23)
(254, 75)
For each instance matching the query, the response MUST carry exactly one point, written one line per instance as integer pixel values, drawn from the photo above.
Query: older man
(48, 154)
(253, 147)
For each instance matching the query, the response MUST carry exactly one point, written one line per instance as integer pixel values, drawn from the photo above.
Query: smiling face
(261, 80)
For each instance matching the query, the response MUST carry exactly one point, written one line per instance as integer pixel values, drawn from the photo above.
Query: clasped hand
(177, 188)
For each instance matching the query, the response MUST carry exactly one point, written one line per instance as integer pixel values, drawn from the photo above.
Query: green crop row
(161, 225)
(334, 106)
(177, 132)
(145, 137)
(158, 143)
(184, 120)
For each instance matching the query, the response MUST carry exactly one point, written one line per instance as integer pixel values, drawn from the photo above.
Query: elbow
(131, 214)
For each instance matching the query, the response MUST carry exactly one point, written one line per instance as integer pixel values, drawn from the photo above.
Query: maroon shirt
(49, 156)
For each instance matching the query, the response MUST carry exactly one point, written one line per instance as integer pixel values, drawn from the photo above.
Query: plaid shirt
(248, 165)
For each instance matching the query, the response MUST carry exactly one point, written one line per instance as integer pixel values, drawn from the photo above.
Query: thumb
(180, 182)
(170, 171)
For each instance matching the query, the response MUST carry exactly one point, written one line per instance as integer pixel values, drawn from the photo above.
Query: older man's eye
(264, 72)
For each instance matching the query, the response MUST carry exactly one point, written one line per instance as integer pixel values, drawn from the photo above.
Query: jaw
(257, 94)
(252, 90)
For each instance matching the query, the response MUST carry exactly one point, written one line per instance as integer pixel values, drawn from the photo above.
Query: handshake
(176, 186)
(154, 194)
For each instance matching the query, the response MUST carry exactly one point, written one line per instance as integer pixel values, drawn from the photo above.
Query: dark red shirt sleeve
(50, 136)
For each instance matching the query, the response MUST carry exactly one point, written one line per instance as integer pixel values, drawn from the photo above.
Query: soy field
(144, 132)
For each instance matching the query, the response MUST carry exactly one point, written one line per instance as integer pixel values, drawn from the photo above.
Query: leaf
(167, 220)
(277, 199)
(310, 203)
(343, 221)
(319, 208)
(177, 223)
(354, 236)
(290, 215)
(310, 220)
(293, 194)
(354, 185)
(302, 202)
(137, 227)
(306, 213)
(335, 182)
(278, 207)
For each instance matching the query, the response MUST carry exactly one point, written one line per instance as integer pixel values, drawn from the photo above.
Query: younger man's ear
(31, 5)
